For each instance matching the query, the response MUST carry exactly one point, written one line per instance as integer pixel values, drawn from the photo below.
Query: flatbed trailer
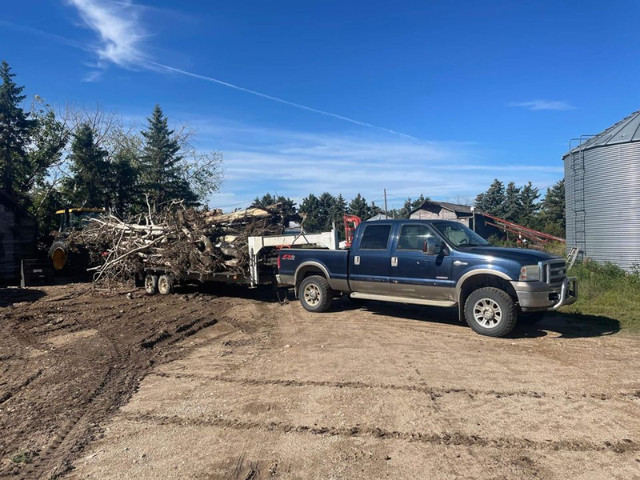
(263, 257)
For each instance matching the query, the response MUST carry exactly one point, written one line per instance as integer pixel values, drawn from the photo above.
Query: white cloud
(259, 160)
(121, 42)
(119, 29)
(544, 105)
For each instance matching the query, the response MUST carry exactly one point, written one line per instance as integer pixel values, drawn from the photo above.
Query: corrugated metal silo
(602, 193)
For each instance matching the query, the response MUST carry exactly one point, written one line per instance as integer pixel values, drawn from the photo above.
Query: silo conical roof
(625, 131)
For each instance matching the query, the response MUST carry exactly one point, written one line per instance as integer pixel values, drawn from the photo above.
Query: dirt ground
(116, 384)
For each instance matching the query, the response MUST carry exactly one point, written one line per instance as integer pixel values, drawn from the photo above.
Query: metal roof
(625, 131)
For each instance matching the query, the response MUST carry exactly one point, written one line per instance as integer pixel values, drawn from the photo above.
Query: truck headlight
(529, 273)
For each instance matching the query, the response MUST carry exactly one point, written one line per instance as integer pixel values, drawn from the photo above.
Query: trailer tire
(151, 284)
(490, 311)
(315, 294)
(165, 284)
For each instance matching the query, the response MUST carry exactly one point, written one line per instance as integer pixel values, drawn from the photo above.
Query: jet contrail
(276, 99)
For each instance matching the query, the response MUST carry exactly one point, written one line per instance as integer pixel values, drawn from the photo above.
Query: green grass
(605, 290)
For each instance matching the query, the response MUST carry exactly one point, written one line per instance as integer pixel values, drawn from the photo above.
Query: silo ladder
(572, 257)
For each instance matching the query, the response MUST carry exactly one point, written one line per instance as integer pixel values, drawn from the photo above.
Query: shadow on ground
(577, 325)
(562, 324)
(10, 296)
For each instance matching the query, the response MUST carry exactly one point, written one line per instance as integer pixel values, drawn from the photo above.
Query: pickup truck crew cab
(431, 262)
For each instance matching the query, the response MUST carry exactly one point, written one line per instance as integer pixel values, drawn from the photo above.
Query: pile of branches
(178, 241)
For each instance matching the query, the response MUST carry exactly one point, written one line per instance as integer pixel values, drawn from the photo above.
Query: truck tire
(165, 284)
(151, 284)
(490, 311)
(315, 294)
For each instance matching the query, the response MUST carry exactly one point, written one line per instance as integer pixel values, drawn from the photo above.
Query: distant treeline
(521, 205)
(517, 204)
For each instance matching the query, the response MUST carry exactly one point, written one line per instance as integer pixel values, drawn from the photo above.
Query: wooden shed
(431, 210)
(18, 238)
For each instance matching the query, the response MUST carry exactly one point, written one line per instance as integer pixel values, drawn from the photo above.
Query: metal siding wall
(612, 203)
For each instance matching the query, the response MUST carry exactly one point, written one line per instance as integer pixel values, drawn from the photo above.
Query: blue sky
(433, 97)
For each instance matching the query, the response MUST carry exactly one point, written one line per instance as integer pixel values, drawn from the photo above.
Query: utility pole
(385, 204)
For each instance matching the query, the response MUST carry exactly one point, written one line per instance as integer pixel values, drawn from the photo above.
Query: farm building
(464, 214)
(602, 193)
(18, 234)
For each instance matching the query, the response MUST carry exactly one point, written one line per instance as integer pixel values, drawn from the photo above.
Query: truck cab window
(459, 235)
(412, 237)
(375, 237)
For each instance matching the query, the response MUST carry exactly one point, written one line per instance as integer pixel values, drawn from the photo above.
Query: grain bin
(602, 193)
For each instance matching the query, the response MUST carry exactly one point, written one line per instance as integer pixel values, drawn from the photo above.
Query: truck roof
(408, 220)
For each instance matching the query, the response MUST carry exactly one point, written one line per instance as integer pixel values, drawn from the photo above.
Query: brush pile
(177, 241)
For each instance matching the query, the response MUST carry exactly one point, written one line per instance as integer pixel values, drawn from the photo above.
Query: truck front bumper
(539, 296)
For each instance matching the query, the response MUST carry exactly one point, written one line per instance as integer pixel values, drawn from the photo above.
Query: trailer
(263, 258)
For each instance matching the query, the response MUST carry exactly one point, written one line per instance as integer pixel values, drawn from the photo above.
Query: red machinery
(351, 222)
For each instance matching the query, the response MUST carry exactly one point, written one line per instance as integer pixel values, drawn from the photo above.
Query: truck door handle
(459, 263)
(356, 260)
(394, 261)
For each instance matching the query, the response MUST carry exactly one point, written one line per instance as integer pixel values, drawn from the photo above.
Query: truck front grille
(553, 271)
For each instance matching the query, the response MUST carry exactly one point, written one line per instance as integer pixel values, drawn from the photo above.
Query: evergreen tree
(407, 208)
(311, 211)
(511, 207)
(89, 184)
(552, 215)
(288, 206)
(358, 206)
(266, 200)
(338, 209)
(161, 164)
(529, 206)
(124, 189)
(15, 132)
(410, 205)
(492, 201)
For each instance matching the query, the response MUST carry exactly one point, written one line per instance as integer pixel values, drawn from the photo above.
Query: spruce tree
(511, 206)
(15, 131)
(311, 211)
(553, 210)
(492, 201)
(161, 164)
(529, 206)
(358, 206)
(89, 184)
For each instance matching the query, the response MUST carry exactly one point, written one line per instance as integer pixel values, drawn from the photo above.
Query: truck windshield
(459, 235)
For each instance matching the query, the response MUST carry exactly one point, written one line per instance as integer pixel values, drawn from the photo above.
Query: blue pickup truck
(431, 262)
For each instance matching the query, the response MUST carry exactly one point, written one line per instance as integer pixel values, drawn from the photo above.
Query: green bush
(607, 290)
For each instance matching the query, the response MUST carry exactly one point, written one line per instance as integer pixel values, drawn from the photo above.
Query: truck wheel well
(307, 272)
(485, 280)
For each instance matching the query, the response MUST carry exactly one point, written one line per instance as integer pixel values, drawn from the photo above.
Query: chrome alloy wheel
(487, 313)
(312, 295)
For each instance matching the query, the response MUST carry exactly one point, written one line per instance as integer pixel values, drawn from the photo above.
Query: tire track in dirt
(112, 368)
(12, 391)
(433, 392)
(445, 439)
(74, 436)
